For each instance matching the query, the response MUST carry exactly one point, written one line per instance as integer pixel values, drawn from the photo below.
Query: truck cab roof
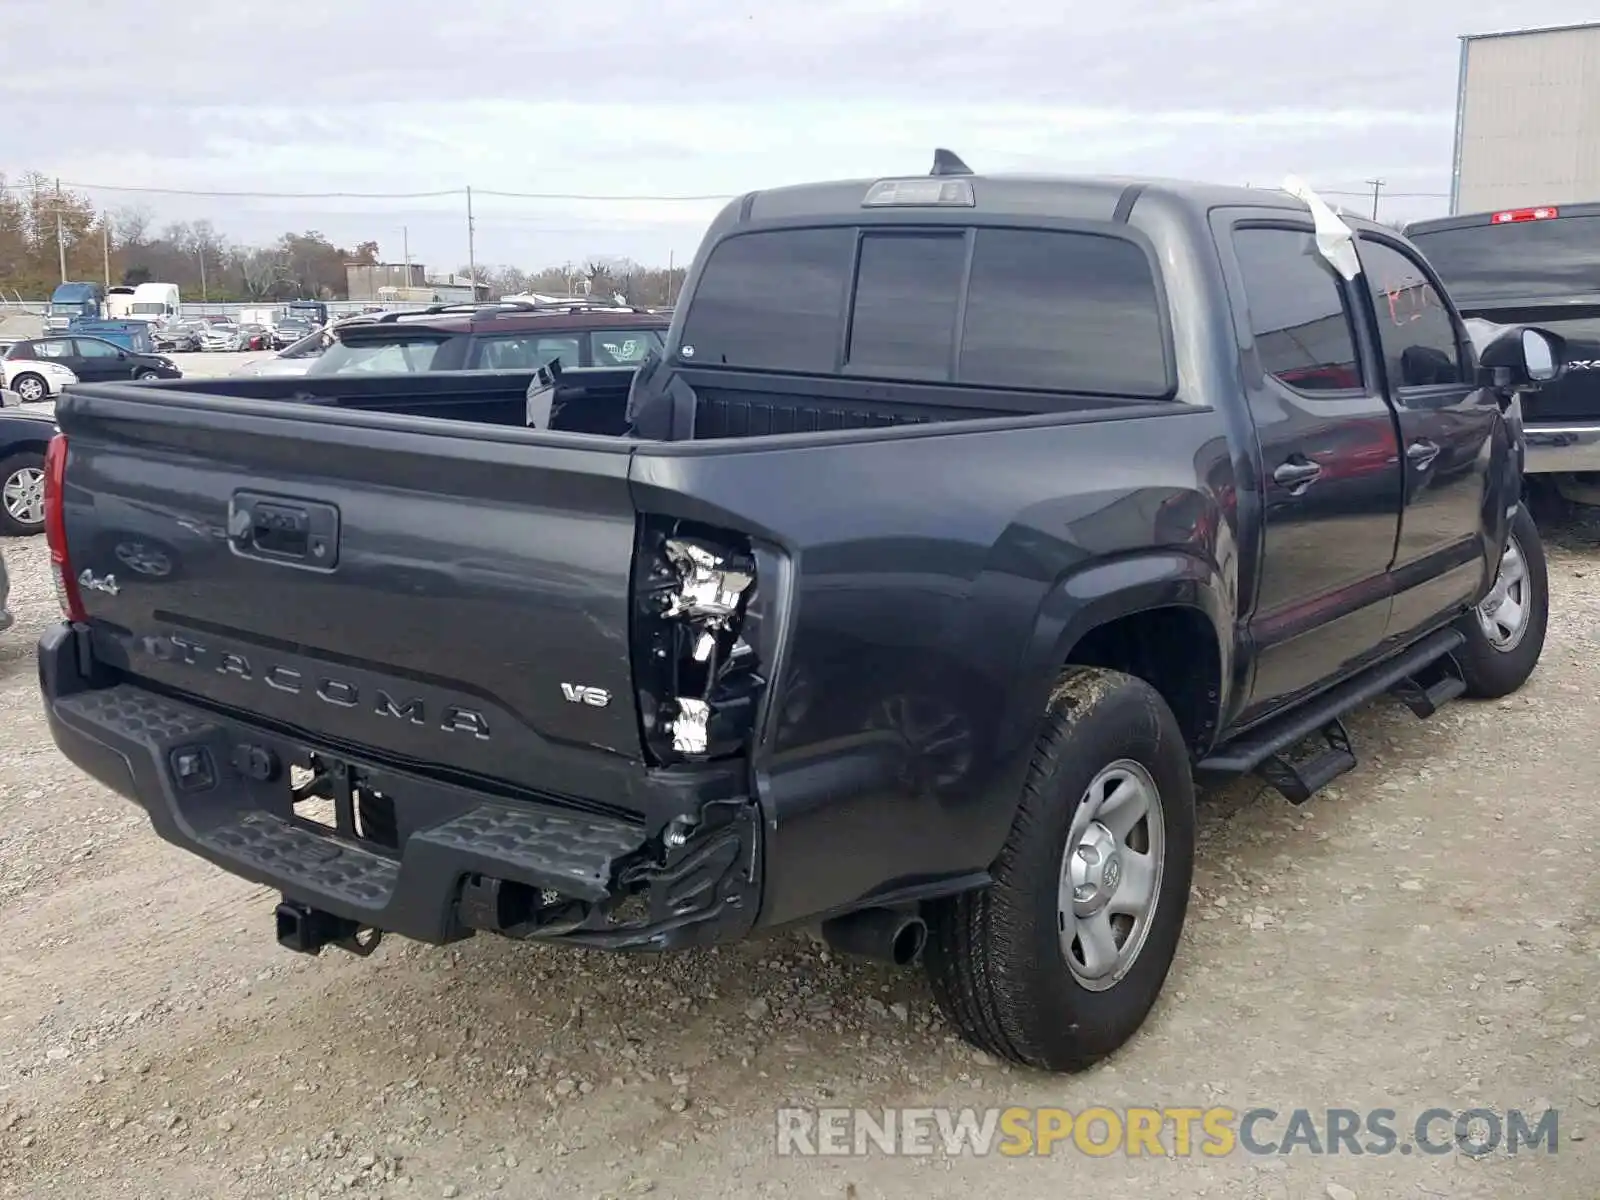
(1031, 197)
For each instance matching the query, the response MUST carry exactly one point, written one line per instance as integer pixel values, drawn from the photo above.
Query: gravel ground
(1407, 941)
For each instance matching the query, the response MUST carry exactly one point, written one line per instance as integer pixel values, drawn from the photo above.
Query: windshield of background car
(1043, 309)
(1485, 265)
(388, 357)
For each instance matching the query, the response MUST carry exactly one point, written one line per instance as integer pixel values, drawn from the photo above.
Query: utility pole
(1377, 188)
(472, 249)
(105, 246)
(61, 240)
(405, 241)
(200, 251)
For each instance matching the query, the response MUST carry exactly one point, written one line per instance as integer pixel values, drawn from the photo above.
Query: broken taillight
(697, 675)
(1513, 215)
(55, 530)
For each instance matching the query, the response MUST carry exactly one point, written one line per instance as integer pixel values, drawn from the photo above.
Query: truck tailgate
(456, 597)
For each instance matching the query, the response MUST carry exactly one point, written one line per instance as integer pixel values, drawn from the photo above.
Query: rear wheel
(1058, 963)
(22, 494)
(1505, 632)
(32, 388)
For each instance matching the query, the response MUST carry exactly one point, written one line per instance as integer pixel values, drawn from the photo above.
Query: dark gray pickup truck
(1535, 265)
(961, 524)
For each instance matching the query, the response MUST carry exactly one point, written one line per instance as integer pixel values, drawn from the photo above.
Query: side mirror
(1523, 359)
(1539, 354)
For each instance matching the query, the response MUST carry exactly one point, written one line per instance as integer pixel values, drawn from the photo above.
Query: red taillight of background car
(55, 530)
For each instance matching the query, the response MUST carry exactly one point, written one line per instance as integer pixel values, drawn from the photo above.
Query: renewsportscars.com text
(1161, 1132)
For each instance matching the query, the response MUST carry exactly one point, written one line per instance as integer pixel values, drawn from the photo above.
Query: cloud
(675, 97)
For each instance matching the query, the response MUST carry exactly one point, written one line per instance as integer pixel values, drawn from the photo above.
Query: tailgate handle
(284, 530)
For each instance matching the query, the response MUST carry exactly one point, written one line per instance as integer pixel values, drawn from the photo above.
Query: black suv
(93, 360)
(509, 335)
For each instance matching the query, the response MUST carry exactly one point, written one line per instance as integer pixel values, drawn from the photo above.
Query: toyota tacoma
(961, 524)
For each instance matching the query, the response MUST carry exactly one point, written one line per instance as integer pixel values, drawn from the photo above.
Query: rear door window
(772, 301)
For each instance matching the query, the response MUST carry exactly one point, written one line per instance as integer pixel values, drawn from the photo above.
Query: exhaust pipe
(887, 934)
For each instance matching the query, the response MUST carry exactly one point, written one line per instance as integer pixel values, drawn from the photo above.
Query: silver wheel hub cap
(1111, 875)
(23, 494)
(1504, 613)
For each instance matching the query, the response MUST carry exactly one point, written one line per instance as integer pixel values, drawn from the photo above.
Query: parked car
(916, 618)
(290, 330)
(295, 359)
(24, 438)
(95, 359)
(178, 337)
(256, 337)
(34, 379)
(221, 336)
(1540, 265)
(500, 336)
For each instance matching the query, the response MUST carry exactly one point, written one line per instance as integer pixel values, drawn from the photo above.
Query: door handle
(1422, 453)
(1297, 473)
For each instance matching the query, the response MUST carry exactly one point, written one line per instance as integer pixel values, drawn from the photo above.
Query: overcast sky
(695, 97)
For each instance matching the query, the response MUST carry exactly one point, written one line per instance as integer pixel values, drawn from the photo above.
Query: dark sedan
(24, 437)
(95, 360)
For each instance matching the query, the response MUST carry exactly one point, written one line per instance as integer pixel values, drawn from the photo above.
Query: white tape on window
(1335, 240)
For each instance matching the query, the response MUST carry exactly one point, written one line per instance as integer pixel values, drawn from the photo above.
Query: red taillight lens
(55, 530)
(1512, 215)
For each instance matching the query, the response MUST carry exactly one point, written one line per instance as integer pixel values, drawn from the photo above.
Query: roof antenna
(945, 162)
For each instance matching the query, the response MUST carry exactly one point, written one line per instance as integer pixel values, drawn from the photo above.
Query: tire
(32, 388)
(995, 958)
(22, 494)
(148, 375)
(1497, 664)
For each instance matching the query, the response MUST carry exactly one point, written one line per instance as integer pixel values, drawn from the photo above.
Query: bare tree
(262, 272)
(131, 226)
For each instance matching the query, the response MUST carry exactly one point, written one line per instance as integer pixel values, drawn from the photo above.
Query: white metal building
(1527, 119)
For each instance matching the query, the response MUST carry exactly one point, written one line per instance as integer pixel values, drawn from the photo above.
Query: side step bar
(1424, 678)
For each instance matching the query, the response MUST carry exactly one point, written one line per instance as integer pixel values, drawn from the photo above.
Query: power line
(443, 194)
(595, 197)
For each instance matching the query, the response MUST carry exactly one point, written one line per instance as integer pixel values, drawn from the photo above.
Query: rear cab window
(985, 306)
(1519, 261)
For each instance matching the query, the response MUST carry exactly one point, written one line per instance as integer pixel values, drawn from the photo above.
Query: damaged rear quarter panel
(934, 589)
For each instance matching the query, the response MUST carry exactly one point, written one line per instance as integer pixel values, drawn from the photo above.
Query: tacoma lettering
(341, 693)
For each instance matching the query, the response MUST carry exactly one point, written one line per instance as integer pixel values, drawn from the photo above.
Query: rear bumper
(466, 860)
(1561, 447)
